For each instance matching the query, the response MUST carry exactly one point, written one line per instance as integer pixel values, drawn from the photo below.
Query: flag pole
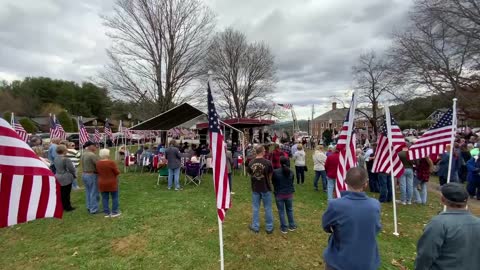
(104, 136)
(12, 117)
(388, 119)
(452, 141)
(351, 120)
(80, 147)
(220, 227)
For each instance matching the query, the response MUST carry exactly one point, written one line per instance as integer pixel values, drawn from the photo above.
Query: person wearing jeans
(385, 184)
(260, 170)
(282, 180)
(423, 169)
(319, 159)
(406, 186)
(174, 159)
(331, 166)
(108, 173)
(89, 176)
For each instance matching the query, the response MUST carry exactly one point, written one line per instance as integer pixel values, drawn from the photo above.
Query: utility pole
(313, 112)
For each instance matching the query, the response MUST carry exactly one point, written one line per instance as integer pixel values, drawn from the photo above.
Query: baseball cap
(455, 192)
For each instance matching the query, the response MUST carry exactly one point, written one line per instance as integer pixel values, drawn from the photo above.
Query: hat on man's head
(89, 143)
(455, 192)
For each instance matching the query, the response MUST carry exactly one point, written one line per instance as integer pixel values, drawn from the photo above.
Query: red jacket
(331, 165)
(275, 158)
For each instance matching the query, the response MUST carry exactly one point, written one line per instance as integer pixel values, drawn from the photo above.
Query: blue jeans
(385, 187)
(420, 196)
(282, 206)
(266, 197)
(91, 192)
(105, 197)
(174, 175)
(406, 185)
(75, 184)
(323, 174)
(330, 188)
(373, 182)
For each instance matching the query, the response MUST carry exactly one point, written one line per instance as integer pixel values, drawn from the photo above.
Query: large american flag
(82, 133)
(22, 133)
(346, 148)
(435, 139)
(28, 189)
(285, 106)
(56, 129)
(108, 130)
(381, 163)
(219, 159)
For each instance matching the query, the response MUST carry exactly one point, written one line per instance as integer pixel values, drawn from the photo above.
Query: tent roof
(171, 118)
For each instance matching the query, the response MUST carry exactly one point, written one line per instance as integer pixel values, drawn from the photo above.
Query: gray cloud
(315, 42)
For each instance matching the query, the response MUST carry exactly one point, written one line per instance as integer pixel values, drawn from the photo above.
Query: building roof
(241, 123)
(172, 118)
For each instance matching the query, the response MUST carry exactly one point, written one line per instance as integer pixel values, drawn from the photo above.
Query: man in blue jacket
(353, 222)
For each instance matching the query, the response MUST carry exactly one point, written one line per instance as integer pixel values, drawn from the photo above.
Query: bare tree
(374, 82)
(243, 73)
(158, 46)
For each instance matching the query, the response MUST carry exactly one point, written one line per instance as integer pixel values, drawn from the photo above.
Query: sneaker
(107, 216)
(401, 202)
(169, 188)
(284, 231)
(232, 193)
(253, 230)
(177, 189)
(292, 229)
(409, 202)
(270, 232)
(116, 215)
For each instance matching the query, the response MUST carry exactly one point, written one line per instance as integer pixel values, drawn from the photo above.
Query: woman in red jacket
(108, 183)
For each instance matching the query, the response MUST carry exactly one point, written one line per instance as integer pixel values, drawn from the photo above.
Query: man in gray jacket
(174, 162)
(452, 239)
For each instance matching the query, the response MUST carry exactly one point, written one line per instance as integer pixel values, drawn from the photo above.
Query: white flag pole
(392, 176)
(351, 120)
(12, 117)
(452, 141)
(80, 147)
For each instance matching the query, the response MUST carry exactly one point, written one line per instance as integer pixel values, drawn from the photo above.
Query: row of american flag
(390, 142)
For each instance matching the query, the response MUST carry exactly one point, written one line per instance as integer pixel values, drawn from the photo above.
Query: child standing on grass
(282, 180)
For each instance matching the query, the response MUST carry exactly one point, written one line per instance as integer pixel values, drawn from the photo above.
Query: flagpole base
(396, 234)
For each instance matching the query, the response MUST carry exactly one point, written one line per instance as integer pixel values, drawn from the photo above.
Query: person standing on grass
(89, 176)
(443, 166)
(260, 171)
(319, 159)
(282, 180)
(275, 156)
(230, 169)
(74, 156)
(331, 167)
(473, 175)
(65, 173)
(406, 179)
(423, 169)
(174, 162)
(353, 222)
(373, 181)
(108, 183)
(300, 158)
(450, 240)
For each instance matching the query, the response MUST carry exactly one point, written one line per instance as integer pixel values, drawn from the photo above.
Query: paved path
(473, 204)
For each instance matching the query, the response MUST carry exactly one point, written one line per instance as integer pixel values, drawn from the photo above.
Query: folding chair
(162, 173)
(193, 173)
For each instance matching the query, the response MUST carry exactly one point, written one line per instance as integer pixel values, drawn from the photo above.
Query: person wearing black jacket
(282, 180)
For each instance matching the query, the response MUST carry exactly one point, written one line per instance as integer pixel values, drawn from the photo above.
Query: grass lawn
(165, 229)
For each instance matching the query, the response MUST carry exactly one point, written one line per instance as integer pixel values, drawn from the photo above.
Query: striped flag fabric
(83, 134)
(28, 189)
(219, 159)
(97, 135)
(346, 148)
(108, 130)
(60, 132)
(53, 127)
(381, 163)
(285, 106)
(22, 133)
(435, 139)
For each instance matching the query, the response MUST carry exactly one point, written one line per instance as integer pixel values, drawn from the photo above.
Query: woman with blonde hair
(41, 154)
(319, 159)
(108, 172)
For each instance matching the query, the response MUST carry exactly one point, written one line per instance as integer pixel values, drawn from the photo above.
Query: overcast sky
(315, 42)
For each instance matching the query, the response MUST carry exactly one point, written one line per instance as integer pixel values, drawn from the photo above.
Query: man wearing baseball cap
(452, 239)
(89, 176)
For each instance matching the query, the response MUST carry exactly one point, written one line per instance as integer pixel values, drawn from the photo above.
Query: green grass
(163, 229)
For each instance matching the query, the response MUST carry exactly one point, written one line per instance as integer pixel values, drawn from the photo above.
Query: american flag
(285, 106)
(381, 163)
(108, 130)
(22, 133)
(83, 134)
(435, 139)
(347, 157)
(219, 159)
(97, 135)
(28, 189)
(59, 130)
